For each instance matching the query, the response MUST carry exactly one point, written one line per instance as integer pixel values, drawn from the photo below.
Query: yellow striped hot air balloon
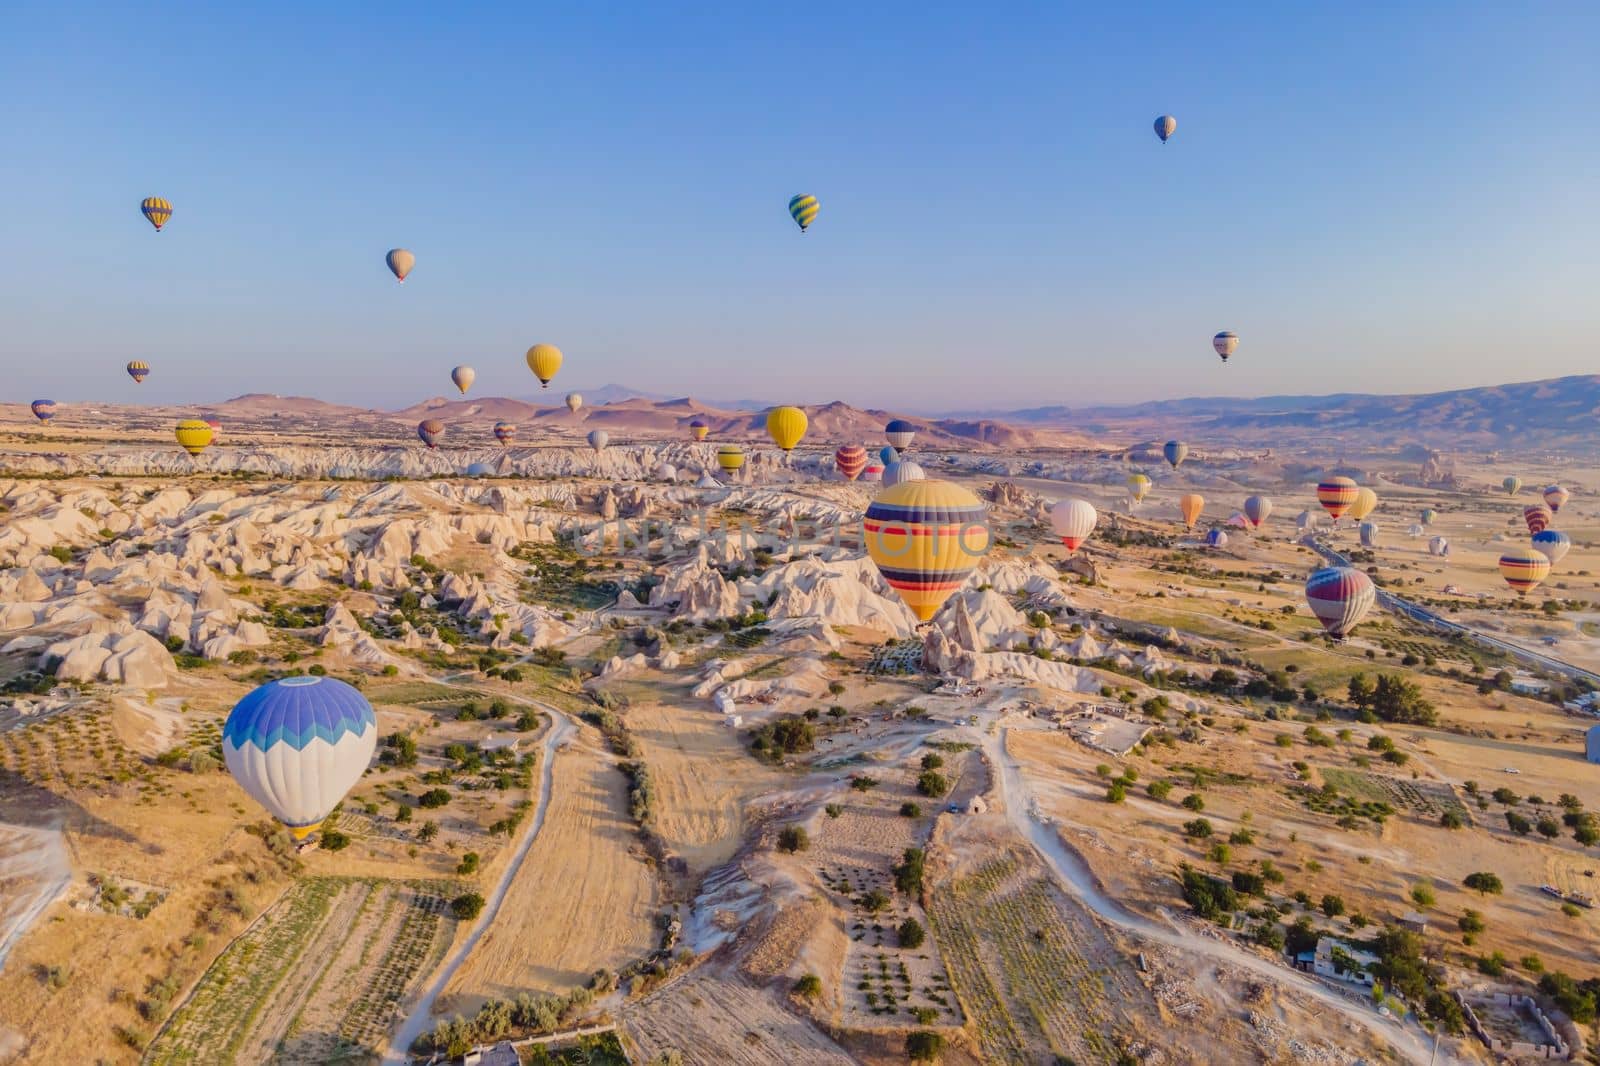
(194, 435)
(786, 425)
(803, 209)
(544, 360)
(1524, 569)
(138, 370)
(1365, 503)
(1190, 504)
(1336, 494)
(926, 537)
(156, 210)
(730, 457)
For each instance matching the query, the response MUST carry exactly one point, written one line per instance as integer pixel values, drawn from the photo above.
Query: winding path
(1076, 877)
(420, 1017)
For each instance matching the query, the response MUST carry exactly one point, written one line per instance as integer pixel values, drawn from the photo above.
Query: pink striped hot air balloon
(1340, 597)
(1556, 497)
(1538, 517)
(851, 460)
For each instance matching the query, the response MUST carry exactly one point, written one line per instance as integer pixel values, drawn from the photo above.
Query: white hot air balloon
(463, 376)
(574, 401)
(1073, 520)
(598, 439)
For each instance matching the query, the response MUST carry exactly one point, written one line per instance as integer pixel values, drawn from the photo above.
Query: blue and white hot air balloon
(899, 434)
(297, 745)
(888, 454)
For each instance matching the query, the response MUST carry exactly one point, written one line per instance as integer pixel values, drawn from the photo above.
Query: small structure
(1588, 703)
(1515, 1026)
(500, 742)
(977, 806)
(1414, 921)
(733, 721)
(1338, 960)
(501, 1054)
(1528, 685)
(1591, 744)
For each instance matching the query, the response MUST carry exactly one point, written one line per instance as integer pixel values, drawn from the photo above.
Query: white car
(1512, 770)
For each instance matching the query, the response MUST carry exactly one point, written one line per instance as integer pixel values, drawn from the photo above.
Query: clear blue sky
(1375, 199)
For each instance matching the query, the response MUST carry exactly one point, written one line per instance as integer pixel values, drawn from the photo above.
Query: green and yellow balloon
(803, 209)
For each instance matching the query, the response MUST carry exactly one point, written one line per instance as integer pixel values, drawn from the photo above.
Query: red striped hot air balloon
(1524, 568)
(1340, 597)
(505, 432)
(1336, 494)
(1556, 497)
(851, 460)
(1538, 517)
(1256, 510)
(429, 430)
(926, 538)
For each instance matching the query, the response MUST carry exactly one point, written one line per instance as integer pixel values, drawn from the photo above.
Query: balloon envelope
(1166, 126)
(1556, 497)
(899, 433)
(803, 208)
(786, 425)
(43, 410)
(298, 745)
(730, 457)
(1368, 532)
(1256, 510)
(1524, 568)
(926, 537)
(851, 460)
(400, 263)
(1073, 520)
(1336, 494)
(505, 432)
(193, 435)
(156, 211)
(903, 471)
(1216, 538)
(138, 370)
(1537, 516)
(429, 430)
(1340, 597)
(1190, 505)
(574, 401)
(1552, 544)
(698, 429)
(1439, 546)
(1365, 503)
(544, 360)
(598, 439)
(463, 376)
(1175, 452)
(1138, 487)
(1225, 343)
(1428, 515)
(1511, 484)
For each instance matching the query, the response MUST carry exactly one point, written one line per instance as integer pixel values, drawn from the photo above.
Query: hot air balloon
(1439, 546)
(463, 376)
(480, 470)
(1414, 529)
(298, 745)
(1190, 504)
(899, 434)
(851, 460)
(786, 425)
(1256, 510)
(1365, 503)
(1138, 487)
(505, 432)
(1175, 451)
(1340, 597)
(1225, 343)
(1336, 494)
(574, 401)
(1524, 568)
(1552, 544)
(598, 439)
(156, 210)
(400, 263)
(1306, 520)
(887, 455)
(429, 430)
(1216, 538)
(1368, 531)
(730, 457)
(1537, 516)
(1073, 520)
(216, 427)
(872, 472)
(803, 209)
(903, 471)
(1166, 126)
(926, 538)
(43, 410)
(138, 370)
(1428, 515)
(698, 429)
(544, 360)
(1511, 484)
(1556, 497)
(194, 436)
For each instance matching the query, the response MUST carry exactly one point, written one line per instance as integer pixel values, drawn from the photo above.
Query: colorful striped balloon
(505, 432)
(899, 434)
(43, 410)
(851, 460)
(1256, 510)
(872, 472)
(138, 370)
(194, 435)
(698, 429)
(1524, 568)
(1552, 544)
(730, 457)
(1428, 515)
(1336, 494)
(1538, 517)
(1512, 484)
(156, 211)
(429, 430)
(803, 209)
(926, 538)
(1340, 597)
(298, 745)
(1556, 497)
(1216, 538)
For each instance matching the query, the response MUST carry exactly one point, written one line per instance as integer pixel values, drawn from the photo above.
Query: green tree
(924, 1045)
(793, 838)
(911, 934)
(931, 783)
(1484, 883)
(467, 906)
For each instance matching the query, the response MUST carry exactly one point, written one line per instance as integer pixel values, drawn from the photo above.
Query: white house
(500, 742)
(1340, 961)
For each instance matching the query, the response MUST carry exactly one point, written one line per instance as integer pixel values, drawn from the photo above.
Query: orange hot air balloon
(1190, 504)
(1524, 569)
(1336, 494)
